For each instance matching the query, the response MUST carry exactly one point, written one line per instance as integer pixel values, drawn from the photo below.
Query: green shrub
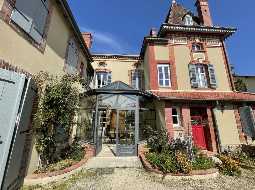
(229, 166)
(77, 152)
(202, 162)
(163, 161)
(169, 162)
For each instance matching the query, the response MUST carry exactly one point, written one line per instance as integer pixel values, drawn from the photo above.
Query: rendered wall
(161, 53)
(160, 114)
(119, 67)
(182, 60)
(19, 52)
(227, 126)
(216, 58)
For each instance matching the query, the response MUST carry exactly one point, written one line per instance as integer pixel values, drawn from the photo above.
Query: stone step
(113, 162)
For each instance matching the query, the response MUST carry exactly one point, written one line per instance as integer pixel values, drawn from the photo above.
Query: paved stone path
(107, 159)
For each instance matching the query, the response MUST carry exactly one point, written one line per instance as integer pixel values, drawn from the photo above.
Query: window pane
(174, 111)
(166, 82)
(161, 76)
(161, 82)
(160, 69)
(175, 120)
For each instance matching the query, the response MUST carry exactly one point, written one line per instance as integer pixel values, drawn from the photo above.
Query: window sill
(198, 51)
(204, 89)
(165, 87)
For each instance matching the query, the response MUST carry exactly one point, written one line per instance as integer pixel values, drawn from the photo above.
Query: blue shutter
(212, 76)
(248, 122)
(193, 76)
(31, 17)
(72, 57)
(109, 78)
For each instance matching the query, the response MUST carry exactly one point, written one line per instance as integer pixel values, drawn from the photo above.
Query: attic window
(197, 47)
(188, 20)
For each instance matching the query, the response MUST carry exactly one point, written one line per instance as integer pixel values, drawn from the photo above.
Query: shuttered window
(72, 57)
(212, 76)
(136, 79)
(202, 76)
(248, 121)
(31, 16)
(164, 75)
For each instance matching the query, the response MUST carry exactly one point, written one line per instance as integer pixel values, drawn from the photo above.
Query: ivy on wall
(53, 121)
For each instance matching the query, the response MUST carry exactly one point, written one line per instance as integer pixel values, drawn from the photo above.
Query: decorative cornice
(220, 31)
(116, 56)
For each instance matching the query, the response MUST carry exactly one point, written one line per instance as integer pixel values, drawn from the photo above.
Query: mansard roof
(176, 14)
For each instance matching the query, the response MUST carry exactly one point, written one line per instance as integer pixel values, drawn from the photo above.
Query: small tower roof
(176, 14)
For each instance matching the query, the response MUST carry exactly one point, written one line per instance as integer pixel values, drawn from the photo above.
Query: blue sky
(118, 26)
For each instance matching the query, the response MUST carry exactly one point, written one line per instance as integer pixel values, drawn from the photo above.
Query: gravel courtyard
(138, 179)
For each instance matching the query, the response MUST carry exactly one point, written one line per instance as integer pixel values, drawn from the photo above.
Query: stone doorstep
(196, 174)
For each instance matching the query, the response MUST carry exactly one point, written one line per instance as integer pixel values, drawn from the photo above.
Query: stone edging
(199, 174)
(90, 152)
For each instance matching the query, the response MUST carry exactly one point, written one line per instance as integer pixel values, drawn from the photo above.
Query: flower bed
(147, 165)
(90, 152)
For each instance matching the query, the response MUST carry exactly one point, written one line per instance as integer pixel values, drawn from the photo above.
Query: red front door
(198, 132)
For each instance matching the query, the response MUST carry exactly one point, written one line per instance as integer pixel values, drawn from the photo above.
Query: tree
(240, 85)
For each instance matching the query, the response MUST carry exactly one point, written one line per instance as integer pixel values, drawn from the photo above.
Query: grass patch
(62, 184)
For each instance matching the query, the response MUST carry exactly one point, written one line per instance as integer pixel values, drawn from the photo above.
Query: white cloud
(104, 41)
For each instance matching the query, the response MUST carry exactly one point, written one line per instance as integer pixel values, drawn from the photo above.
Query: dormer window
(188, 20)
(197, 47)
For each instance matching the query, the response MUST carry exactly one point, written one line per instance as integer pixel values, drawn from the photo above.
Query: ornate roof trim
(115, 56)
(221, 31)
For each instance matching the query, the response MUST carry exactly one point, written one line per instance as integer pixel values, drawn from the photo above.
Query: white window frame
(163, 66)
(202, 78)
(188, 20)
(178, 111)
(101, 77)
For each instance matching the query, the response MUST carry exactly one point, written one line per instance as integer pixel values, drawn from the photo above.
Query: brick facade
(186, 120)
(169, 120)
(212, 143)
(239, 126)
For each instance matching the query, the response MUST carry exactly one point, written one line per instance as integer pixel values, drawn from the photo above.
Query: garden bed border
(89, 153)
(195, 173)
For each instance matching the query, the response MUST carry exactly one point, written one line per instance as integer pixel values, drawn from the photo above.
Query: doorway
(116, 132)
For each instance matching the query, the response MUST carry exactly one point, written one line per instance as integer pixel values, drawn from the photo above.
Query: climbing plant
(58, 102)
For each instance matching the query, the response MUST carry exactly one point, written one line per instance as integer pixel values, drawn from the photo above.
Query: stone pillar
(213, 142)
(239, 126)
(169, 120)
(186, 120)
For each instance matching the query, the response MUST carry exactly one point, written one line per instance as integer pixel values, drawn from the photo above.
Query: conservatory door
(126, 141)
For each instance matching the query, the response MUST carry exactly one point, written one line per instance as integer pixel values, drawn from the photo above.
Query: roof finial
(173, 1)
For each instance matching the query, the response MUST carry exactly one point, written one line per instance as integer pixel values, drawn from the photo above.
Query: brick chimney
(88, 39)
(153, 32)
(204, 12)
